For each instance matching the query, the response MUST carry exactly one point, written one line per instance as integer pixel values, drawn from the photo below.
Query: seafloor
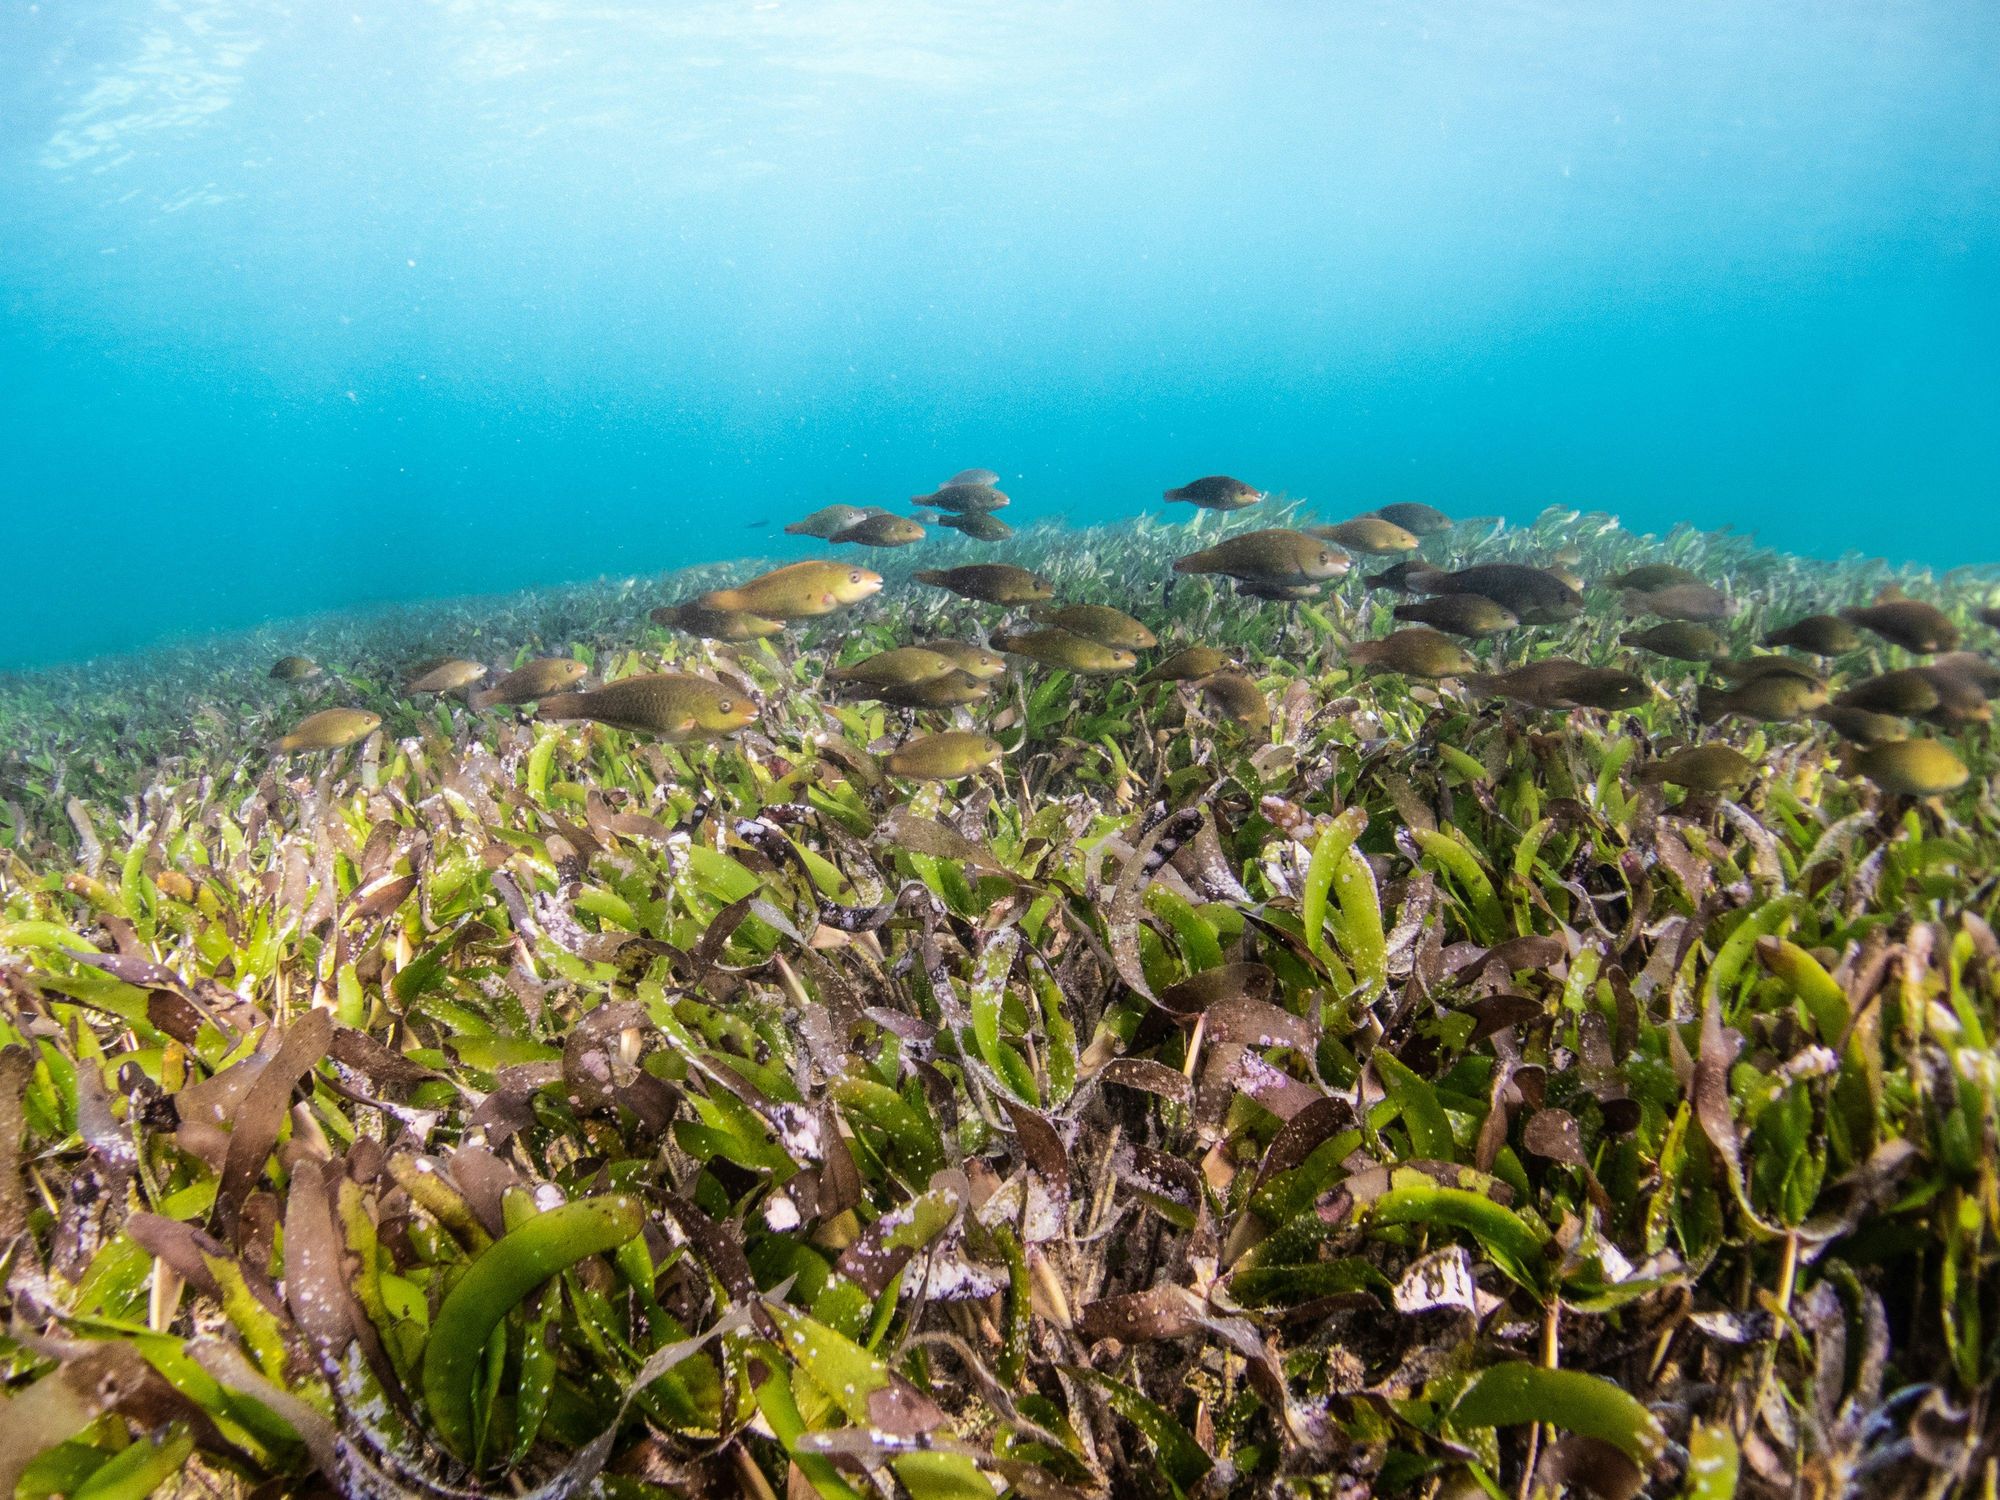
(1402, 1096)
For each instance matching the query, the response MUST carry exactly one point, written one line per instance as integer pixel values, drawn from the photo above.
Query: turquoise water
(308, 306)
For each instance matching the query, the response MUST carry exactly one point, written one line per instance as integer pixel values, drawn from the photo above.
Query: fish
(1237, 698)
(1822, 635)
(1702, 768)
(1188, 665)
(1910, 768)
(897, 668)
(1970, 666)
(1860, 725)
(1943, 697)
(797, 591)
(1652, 576)
(1535, 595)
(1990, 615)
(1471, 615)
(972, 476)
(715, 624)
(1680, 639)
(990, 583)
(1566, 558)
(1416, 652)
(1910, 623)
(1414, 516)
(671, 705)
(1680, 601)
(944, 757)
(1274, 556)
(537, 679)
(1774, 697)
(1074, 653)
(329, 729)
(830, 520)
(1559, 682)
(1369, 534)
(1905, 693)
(977, 524)
(295, 669)
(952, 690)
(1404, 577)
(1098, 622)
(975, 661)
(963, 497)
(445, 676)
(1748, 668)
(1217, 492)
(880, 531)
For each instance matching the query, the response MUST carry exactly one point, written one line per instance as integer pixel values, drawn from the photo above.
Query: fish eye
(855, 576)
(726, 706)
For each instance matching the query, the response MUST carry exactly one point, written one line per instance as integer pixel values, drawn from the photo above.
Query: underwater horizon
(316, 309)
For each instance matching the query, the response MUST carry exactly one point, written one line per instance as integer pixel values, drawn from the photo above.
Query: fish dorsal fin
(1891, 592)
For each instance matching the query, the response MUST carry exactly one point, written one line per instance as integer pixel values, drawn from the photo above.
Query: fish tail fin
(1709, 704)
(1481, 684)
(561, 706)
(932, 576)
(284, 744)
(482, 698)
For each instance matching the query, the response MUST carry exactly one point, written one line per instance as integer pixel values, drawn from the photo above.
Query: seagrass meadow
(1401, 1093)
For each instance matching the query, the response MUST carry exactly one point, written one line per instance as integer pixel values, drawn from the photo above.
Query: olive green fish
(670, 705)
(1471, 615)
(446, 676)
(1683, 640)
(1416, 652)
(536, 679)
(1370, 535)
(1414, 516)
(1910, 623)
(1822, 635)
(797, 591)
(977, 524)
(1774, 697)
(1702, 768)
(1911, 768)
(707, 624)
(829, 521)
(944, 757)
(1217, 492)
(295, 669)
(1535, 595)
(1237, 698)
(1275, 556)
(1680, 601)
(329, 729)
(880, 531)
(1558, 682)
(1860, 725)
(897, 668)
(975, 661)
(963, 497)
(990, 583)
(1097, 622)
(1188, 665)
(951, 690)
(1074, 653)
